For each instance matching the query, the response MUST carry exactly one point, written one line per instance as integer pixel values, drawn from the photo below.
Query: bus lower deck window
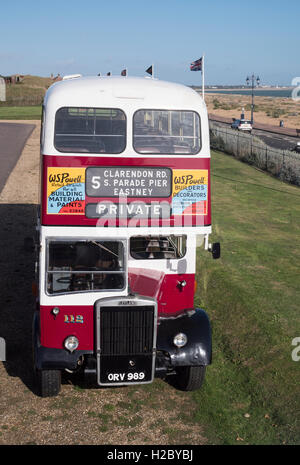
(157, 247)
(75, 266)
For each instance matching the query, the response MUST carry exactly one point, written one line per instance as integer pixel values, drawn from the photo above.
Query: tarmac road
(13, 137)
(272, 139)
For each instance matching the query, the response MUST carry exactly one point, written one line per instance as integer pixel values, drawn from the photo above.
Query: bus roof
(119, 91)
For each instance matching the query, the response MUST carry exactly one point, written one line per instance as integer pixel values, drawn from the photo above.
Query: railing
(283, 164)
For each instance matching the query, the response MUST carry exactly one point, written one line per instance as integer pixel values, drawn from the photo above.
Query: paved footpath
(13, 137)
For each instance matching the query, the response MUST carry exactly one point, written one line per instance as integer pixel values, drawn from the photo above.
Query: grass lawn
(252, 295)
(30, 112)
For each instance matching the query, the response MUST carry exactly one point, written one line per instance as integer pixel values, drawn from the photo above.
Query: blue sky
(238, 37)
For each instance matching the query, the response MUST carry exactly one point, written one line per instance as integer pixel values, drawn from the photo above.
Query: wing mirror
(215, 249)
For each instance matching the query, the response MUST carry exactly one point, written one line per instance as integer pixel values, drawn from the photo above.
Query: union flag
(196, 65)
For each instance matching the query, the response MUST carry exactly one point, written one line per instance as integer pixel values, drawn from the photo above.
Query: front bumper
(198, 350)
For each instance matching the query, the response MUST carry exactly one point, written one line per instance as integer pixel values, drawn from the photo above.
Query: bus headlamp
(71, 343)
(180, 340)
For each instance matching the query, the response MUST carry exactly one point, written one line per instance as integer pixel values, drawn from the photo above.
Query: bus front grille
(126, 330)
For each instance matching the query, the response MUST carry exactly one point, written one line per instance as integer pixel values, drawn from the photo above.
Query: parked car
(297, 148)
(241, 125)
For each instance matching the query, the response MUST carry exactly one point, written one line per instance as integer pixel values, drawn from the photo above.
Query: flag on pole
(149, 70)
(196, 65)
(124, 72)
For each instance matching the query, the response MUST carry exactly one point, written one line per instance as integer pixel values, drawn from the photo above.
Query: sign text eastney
(129, 182)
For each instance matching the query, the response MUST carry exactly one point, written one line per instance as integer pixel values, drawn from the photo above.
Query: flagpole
(202, 71)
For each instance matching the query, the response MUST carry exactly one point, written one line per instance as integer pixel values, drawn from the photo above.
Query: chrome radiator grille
(126, 330)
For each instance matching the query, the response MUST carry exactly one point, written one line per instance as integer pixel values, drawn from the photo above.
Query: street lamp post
(252, 79)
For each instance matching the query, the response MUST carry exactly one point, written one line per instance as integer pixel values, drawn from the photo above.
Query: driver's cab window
(78, 266)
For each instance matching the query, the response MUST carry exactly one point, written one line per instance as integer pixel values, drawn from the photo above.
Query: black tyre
(189, 378)
(28, 244)
(48, 382)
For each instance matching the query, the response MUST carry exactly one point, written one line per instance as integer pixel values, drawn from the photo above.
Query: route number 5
(96, 179)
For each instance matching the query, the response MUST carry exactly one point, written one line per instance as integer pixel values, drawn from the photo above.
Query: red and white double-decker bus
(125, 199)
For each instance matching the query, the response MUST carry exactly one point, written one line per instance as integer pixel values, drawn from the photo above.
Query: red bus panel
(118, 191)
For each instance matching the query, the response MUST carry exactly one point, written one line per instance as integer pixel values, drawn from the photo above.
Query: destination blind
(129, 182)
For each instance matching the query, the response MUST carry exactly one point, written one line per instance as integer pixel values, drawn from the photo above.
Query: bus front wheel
(49, 382)
(189, 378)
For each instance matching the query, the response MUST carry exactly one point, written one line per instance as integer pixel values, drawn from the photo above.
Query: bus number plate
(125, 377)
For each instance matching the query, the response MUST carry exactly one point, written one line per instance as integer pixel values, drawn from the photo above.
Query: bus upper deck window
(173, 132)
(92, 130)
